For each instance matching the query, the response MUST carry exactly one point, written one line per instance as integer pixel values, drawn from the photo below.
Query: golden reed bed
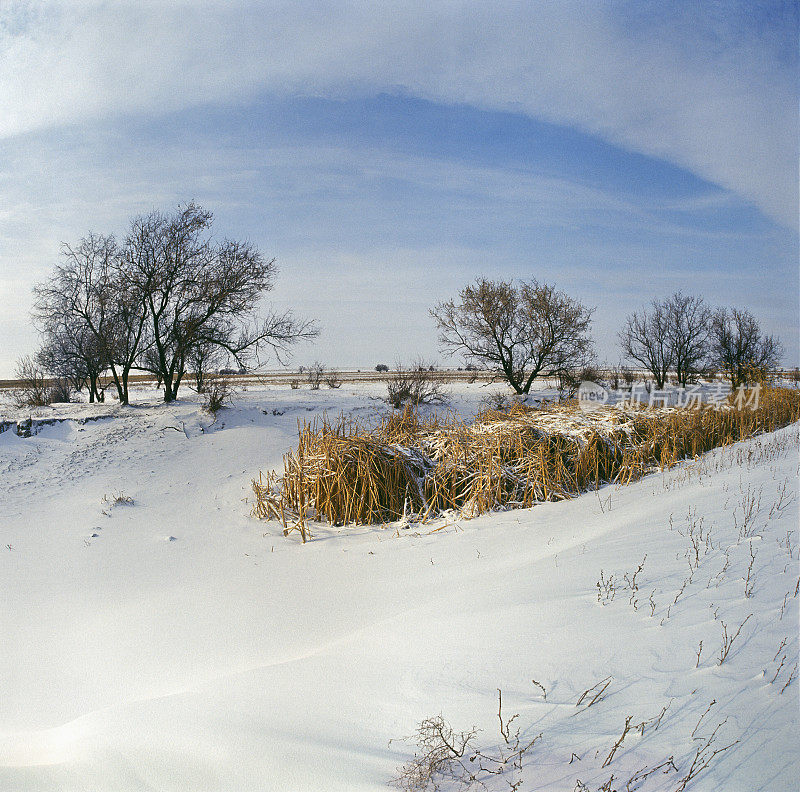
(415, 467)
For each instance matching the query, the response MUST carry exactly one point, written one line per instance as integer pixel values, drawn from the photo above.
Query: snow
(176, 643)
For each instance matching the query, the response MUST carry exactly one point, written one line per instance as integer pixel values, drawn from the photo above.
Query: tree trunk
(118, 384)
(94, 394)
(125, 393)
(169, 393)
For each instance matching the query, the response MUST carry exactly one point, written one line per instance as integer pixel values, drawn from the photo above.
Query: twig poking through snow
(598, 689)
(727, 641)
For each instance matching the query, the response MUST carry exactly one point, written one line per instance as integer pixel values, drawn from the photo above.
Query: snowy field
(157, 637)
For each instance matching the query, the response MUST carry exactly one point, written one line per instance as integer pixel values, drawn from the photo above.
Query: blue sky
(387, 154)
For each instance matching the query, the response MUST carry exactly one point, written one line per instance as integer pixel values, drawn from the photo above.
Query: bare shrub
(60, 390)
(33, 389)
(628, 377)
(443, 756)
(614, 377)
(569, 381)
(438, 757)
(314, 375)
(333, 380)
(496, 401)
(117, 499)
(294, 384)
(414, 385)
(218, 392)
(727, 640)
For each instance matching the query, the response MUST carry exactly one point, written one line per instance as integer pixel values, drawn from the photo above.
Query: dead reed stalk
(409, 466)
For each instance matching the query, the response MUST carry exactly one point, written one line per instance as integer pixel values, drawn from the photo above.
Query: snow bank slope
(172, 644)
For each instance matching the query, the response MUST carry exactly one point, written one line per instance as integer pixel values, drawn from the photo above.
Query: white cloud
(706, 93)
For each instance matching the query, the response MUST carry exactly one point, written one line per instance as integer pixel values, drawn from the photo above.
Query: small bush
(568, 381)
(118, 499)
(294, 384)
(33, 390)
(627, 377)
(218, 392)
(441, 754)
(444, 756)
(497, 401)
(314, 375)
(614, 377)
(332, 380)
(415, 385)
(60, 390)
(381, 367)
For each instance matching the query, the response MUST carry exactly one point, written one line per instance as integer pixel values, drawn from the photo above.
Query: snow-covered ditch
(175, 643)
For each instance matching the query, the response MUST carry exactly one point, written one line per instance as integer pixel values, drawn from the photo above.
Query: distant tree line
(167, 300)
(685, 335)
(529, 330)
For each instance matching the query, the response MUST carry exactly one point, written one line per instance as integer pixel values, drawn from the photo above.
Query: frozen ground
(174, 643)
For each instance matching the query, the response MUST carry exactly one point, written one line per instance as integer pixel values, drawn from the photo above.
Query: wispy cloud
(711, 89)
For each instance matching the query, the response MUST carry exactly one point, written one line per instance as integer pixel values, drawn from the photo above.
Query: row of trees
(166, 300)
(685, 335)
(170, 299)
(530, 330)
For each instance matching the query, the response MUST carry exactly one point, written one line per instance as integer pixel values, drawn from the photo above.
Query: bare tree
(521, 332)
(72, 353)
(645, 338)
(739, 348)
(203, 358)
(91, 313)
(689, 328)
(128, 342)
(199, 292)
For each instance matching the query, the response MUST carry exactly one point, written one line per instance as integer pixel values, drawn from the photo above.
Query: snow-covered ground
(175, 643)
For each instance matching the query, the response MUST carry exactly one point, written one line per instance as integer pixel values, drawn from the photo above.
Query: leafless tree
(203, 359)
(645, 338)
(521, 332)
(89, 311)
(71, 352)
(740, 349)
(689, 328)
(197, 291)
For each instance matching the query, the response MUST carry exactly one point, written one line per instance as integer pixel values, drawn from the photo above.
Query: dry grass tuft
(410, 466)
